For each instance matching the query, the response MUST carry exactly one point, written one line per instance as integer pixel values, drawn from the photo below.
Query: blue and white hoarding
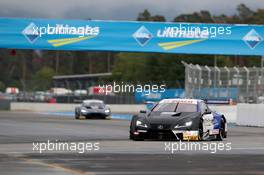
(163, 37)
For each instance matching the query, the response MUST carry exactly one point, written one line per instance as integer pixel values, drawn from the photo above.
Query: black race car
(92, 109)
(179, 119)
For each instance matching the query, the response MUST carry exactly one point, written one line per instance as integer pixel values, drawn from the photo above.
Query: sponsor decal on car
(214, 131)
(187, 135)
(190, 135)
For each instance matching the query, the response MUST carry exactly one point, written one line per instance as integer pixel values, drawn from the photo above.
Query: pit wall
(241, 114)
(250, 114)
(60, 107)
(228, 111)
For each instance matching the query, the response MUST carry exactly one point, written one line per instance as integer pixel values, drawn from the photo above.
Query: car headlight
(107, 111)
(187, 124)
(140, 123)
(83, 111)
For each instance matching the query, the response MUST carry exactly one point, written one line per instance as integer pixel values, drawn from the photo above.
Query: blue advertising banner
(185, 38)
(142, 97)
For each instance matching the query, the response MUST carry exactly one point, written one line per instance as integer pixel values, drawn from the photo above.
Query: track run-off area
(111, 152)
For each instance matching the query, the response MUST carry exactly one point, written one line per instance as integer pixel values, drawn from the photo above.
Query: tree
(158, 18)
(206, 16)
(144, 16)
(201, 17)
(244, 12)
(43, 78)
(258, 17)
(2, 86)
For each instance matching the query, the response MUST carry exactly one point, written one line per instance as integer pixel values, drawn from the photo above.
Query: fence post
(218, 79)
(262, 67)
(247, 78)
(209, 79)
(200, 77)
(228, 81)
(238, 73)
(256, 82)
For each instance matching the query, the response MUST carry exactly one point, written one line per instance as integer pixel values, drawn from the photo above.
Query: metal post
(209, 79)
(262, 66)
(200, 77)
(256, 83)
(218, 81)
(238, 93)
(215, 61)
(247, 82)
(191, 88)
(262, 61)
(68, 87)
(228, 81)
(187, 71)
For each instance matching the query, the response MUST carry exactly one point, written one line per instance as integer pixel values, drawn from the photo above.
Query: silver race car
(92, 109)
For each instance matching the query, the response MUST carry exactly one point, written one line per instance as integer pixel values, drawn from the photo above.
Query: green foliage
(258, 17)
(202, 16)
(43, 78)
(157, 68)
(146, 16)
(244, 12)
(2, 86)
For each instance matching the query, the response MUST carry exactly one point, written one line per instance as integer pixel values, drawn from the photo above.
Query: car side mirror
(207, 112)
(143, 111)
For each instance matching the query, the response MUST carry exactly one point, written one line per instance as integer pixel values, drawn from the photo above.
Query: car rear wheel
(221, 134)
(77, 117)
(200, 131)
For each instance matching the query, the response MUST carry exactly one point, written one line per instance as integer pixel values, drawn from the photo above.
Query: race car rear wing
(220, 102)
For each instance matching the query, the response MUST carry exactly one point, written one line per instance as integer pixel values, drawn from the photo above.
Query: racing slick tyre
(221, 134)
(200, 131)
(132, 136)
(135, 138)
(77, 117)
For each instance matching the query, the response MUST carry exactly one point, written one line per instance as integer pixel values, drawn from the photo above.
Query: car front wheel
(135, 138)
(221, 134)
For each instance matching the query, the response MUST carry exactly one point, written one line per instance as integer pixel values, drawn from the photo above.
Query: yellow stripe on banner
(175, 44)
(64, 41)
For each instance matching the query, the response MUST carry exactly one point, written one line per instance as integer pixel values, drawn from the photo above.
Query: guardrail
(5, 104)
(250, 114)
(228, 111)
(60, 107)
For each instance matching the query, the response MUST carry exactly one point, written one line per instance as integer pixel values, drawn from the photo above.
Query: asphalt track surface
(117, 154)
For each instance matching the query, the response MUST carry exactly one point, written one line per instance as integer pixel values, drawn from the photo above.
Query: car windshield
(94, 105)
(175, 107)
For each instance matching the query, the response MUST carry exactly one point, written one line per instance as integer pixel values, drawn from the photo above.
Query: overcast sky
(116, 9)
